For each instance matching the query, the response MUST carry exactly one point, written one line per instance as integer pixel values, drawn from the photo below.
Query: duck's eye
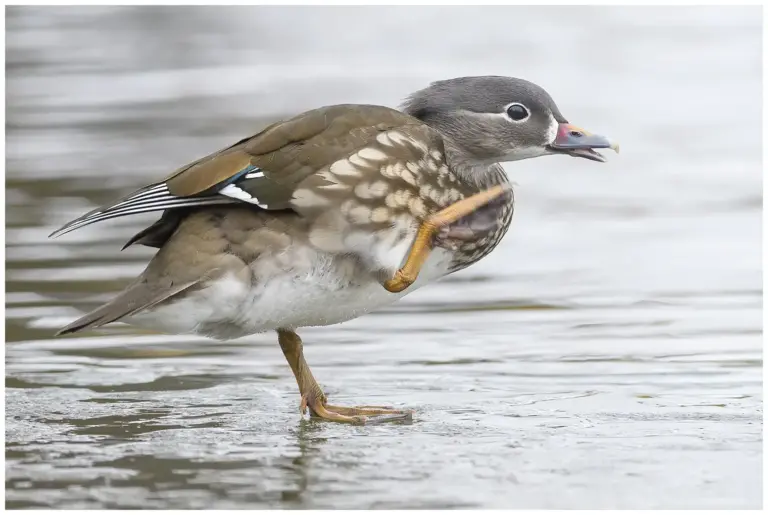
(517, 112)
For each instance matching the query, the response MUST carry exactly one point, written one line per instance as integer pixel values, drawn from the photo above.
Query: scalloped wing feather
(264, 170)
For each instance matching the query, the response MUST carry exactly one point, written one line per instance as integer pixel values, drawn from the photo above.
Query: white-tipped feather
(240, 194)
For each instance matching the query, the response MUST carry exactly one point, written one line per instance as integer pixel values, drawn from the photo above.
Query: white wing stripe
(160, 204)
(153, 189)
(182, 202)
(158, 197)
(144, 198)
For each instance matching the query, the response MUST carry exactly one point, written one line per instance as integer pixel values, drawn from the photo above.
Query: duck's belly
(328, 290)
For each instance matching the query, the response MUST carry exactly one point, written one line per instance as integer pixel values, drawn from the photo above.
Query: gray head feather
(471, 113)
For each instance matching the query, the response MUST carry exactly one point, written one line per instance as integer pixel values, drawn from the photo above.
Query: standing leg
(312, 395)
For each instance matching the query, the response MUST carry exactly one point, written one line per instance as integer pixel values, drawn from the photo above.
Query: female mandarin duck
(324, 217)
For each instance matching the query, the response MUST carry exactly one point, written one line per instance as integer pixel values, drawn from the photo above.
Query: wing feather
(264, 170)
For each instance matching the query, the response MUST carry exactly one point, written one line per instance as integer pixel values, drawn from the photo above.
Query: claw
(398, 283)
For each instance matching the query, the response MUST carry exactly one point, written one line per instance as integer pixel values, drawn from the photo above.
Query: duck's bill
(577, 142)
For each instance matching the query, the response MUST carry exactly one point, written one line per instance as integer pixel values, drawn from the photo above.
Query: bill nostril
(576, 134)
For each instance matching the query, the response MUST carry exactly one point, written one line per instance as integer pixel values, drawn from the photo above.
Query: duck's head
(495, 119)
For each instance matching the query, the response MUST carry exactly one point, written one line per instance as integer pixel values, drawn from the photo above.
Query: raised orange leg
(422, 244)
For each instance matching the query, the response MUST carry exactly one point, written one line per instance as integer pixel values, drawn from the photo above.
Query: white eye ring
(517, 112)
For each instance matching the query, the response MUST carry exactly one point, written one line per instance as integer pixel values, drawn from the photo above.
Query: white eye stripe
(509, 116)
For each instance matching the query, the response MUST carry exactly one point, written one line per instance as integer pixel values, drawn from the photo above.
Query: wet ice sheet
(606, 355)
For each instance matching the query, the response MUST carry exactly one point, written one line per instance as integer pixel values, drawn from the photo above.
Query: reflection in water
(606, 355)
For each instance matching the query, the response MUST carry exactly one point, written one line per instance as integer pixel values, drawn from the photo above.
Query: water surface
(606, 355)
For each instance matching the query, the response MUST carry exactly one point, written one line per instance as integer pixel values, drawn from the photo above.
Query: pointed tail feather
(137, 297)
(95, 318)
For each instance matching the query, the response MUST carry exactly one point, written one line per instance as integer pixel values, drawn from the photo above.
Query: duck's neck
(479, 174)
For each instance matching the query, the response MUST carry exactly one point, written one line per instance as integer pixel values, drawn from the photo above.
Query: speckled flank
(388, 186)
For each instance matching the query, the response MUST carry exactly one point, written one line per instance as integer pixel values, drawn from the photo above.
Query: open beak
(577, 142)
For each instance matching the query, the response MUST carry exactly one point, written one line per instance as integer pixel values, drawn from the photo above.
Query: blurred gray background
(606, 355)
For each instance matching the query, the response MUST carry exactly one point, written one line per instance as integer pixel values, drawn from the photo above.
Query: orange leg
(312, 395)
(422, 245)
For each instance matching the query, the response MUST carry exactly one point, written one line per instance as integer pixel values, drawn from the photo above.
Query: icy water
(606, 355)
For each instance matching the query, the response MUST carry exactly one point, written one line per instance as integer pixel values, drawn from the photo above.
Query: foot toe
(383, 419)
(359, 415)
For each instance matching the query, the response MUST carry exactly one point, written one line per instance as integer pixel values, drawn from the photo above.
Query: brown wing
(263, 170)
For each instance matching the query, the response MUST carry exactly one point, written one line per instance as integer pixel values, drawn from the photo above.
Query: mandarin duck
(338, 211)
